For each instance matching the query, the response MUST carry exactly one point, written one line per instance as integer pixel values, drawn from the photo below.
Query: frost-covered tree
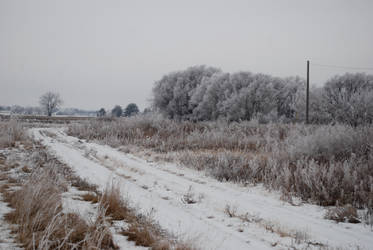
(286, 96)
(172, 94)
(117, 111)
(131, 110)
(50, 102)
(202, 93)
(317, 109)
(253, 95)
(349, 98)
(208, 96)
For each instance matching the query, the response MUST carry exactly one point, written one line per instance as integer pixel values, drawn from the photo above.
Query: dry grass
(26, 169)
(298, 236)
(141, 235)
(11, 132)
(230, 210)
(81, 184)
(346, 213)
(189, 197)
(116, 207)
(91, 197)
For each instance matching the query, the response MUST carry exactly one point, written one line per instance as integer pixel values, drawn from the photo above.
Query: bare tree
(50, 102)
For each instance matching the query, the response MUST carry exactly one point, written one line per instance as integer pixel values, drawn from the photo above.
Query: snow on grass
(160, 189)
(72, 203)
(6, 238)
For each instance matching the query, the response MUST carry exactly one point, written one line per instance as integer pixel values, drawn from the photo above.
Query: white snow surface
(159, 188)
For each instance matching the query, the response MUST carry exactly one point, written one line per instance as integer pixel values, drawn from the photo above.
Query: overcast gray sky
(101, 53)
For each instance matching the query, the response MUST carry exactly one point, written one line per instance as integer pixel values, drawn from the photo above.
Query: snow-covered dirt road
(196, 208)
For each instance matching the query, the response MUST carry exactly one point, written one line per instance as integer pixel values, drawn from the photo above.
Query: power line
(341, 67)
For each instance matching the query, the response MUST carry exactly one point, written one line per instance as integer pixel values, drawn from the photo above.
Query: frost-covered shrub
(224, 166)
(347, 182)
(327, 142)
(343, 214)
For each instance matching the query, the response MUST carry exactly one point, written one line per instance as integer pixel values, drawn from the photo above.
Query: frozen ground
(193, 207)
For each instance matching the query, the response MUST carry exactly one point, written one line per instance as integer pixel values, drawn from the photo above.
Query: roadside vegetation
(329, 165)
(32, 184)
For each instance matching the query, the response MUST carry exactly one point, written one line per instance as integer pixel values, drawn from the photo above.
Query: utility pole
(308, 91)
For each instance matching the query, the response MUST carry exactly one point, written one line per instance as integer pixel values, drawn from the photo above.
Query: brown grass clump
(26, 169)
(82, 184)
(35, 205)
(346, 213)
(116, 207)
(91, 197)
(140, 235)
(143, 234)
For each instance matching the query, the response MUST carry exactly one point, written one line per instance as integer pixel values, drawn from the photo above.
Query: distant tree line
(206, 93)
(20, 110)
(50, 103)
(117, 111)
(75, 112)
(16, 109)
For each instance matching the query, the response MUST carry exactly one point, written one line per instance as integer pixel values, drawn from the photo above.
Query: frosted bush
(325, 142)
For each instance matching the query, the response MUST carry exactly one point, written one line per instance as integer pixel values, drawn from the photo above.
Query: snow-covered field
(201, 210)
